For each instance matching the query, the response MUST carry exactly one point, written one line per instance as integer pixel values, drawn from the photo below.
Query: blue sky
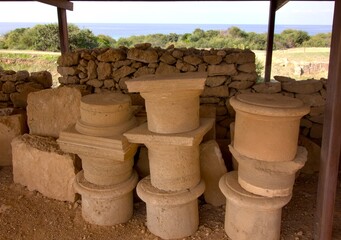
(171, 12)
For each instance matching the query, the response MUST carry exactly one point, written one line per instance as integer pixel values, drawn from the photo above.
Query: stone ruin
(99, 134)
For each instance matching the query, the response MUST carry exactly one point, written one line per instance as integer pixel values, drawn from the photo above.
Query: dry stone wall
(15, 86)
(230, 72)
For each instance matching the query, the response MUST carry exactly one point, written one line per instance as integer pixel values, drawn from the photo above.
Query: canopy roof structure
(331, 141)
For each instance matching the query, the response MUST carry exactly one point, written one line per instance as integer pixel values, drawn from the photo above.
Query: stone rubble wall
(15, 86)
(230, 72)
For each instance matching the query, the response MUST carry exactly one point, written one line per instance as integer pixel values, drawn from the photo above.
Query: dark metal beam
(281, 3)
(270, 40)
(331, 139)
(63, 33)
(64, 4)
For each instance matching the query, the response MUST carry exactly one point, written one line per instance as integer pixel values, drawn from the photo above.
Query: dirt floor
(29, 215)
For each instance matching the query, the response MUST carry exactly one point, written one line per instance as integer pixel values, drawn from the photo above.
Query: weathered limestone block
(177, 54)
(95, 83)
(283, 79)
(146, 56)
(68, 71)
(69, 80)
(39, 164)
(167, 58)
(221, 69)
(312, 100)
(43, 77)
(143, 46)
(193, 60)
(123, 72)
(19, 99)
(4, 97)
(215, 81)
(241, 57)
(316, 111)
(21, 75)
(249, 216)
(240, 85)
(213, 59)
(8, 77)
(304, 86)
(314, 155)
(121, 63)
(144, 71)
(185, 67)
(8, 87)
(92, 70)
(212, 168)
(242, 76)
(52, 110)
(68, 59)
(268, 87)
(103, 70)
(112, 55)
(166, 69)
(11, 126)
(221, 91)
(109, 83)
(136, 64)
(247, 67)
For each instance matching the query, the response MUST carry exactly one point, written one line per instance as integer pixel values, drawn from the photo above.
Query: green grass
(32, 61)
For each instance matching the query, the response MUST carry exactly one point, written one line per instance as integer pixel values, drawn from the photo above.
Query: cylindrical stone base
(249, 216)
(171, 215)
(106, 205)
(269, 179)
(104, 171)
(267, 126)
(173, 167)
(172, 112)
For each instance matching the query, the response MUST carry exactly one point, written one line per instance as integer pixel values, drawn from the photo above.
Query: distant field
(284, 62)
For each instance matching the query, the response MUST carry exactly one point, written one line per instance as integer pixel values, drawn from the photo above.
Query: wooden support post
(63, 32)
(270, 41)
(331, 139)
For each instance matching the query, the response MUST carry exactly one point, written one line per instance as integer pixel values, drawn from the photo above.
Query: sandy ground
(29, 215)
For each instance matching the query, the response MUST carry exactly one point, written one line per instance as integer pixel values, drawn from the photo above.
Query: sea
(123, 30)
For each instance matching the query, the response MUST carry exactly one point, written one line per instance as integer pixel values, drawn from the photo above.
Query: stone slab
(51, 111)
(167, 82)
(141, 134)
(212, 168)
(39, 164)
(11, 126)
(113, 147)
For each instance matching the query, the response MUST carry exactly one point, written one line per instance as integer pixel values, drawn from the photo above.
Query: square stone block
(11, 126)
(39, 164)
(52, 110)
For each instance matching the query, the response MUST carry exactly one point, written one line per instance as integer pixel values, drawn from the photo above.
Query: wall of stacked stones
(15, 86)
(230, 72)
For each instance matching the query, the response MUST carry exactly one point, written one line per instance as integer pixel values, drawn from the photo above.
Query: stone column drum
(170, 214)
(269, 179)
(107, 157)
(249, 216)
(106, 205)
(267, 126)
(173, 158)
(172, 101)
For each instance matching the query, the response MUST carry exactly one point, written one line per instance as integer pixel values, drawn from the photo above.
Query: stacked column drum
(265, 147)
(172, 135)
(107, 180)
